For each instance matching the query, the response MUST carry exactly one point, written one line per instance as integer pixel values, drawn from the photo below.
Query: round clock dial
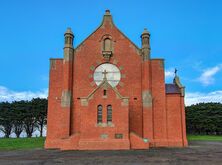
(111, 72)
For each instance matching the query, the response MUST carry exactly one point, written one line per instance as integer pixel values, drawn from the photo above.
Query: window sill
(109, 124)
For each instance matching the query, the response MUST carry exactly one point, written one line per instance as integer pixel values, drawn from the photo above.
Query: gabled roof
(105, 84)
(107, 18)
(172, 88)
(176, 87)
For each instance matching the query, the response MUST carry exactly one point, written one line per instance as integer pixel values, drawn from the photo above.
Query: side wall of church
(175, 120)
(55, 115)
(159, 102)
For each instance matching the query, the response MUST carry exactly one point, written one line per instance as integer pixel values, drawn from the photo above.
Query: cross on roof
(175, 71)
(104, 73)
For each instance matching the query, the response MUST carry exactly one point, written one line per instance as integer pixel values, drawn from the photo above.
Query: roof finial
(145, 31)
(69, 31)
(175, 72)
(107, 12)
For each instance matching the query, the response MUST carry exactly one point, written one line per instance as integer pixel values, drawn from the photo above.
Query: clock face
(111, 71)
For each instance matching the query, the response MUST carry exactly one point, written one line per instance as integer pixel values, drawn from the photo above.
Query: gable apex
(107, 19)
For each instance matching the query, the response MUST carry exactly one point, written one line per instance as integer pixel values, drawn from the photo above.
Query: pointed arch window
(99, 113)
(109, 113)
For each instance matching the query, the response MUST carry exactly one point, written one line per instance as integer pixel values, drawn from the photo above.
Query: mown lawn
(31, 143)
(21, 143)
(204, 137)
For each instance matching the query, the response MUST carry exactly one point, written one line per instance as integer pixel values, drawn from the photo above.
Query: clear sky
(187, 34)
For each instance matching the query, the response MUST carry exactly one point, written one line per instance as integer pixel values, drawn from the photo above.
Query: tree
(18, 117)
(204, 118)
(23, 115)
(6, 118)
(40, 108)
(29, 119)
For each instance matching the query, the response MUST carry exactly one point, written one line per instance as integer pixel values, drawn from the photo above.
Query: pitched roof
(107, 17)
(172, 88)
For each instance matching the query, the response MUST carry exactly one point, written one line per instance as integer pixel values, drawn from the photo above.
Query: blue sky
(187, 34)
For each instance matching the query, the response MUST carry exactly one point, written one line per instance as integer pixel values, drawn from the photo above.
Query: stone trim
(92, 67)
(120, 67)
(92, 83)
(66, 98)
(53, 64)
(125, 102)
(123, 75)
(115, 62)
(104, 136)
(121, 84)
(109, 124)
(68, 53)
(105, 85)
(147, 98)
(176, 81)
(84, 102)
(98, 62)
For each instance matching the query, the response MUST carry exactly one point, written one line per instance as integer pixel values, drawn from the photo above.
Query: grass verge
(204, 137)
(21, 143)
(32, 143)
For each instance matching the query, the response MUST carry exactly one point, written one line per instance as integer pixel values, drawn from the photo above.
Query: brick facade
(146, 112)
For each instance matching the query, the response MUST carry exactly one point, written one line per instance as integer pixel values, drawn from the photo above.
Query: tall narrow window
(109, 113)
(104, 92)
(107, 44)
(99, 113)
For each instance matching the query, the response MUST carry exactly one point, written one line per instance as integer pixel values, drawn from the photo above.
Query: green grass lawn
(204, 137)
(21, 143)
(31, 143)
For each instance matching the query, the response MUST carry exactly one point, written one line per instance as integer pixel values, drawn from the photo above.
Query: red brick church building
(109, 94)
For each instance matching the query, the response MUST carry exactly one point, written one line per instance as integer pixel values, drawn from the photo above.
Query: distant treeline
(204, 118)
(21, 116)
(18, 116)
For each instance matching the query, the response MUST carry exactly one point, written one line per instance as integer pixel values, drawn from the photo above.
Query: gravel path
(198, 152)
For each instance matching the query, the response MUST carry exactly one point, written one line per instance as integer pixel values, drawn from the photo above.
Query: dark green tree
(23, 115)
(39, 106)
(204, 118)
(6, 118)
(29, 120)
(17, 117)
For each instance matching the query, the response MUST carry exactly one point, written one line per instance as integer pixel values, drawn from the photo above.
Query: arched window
(99, 114)
(109, 113)
(107, 44)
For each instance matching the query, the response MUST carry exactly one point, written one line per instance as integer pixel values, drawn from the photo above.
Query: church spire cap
(69, 31)
(145, 31)
(107, 19)
(107, 12)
